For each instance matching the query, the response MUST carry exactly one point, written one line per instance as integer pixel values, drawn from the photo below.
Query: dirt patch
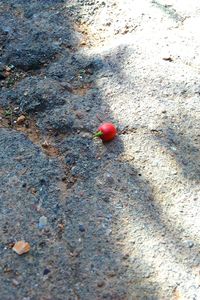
(83, 90)
(8, 119)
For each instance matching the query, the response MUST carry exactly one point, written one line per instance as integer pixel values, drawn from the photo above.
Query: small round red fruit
(106, 132)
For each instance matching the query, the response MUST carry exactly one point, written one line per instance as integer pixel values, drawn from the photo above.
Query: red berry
(106, 132)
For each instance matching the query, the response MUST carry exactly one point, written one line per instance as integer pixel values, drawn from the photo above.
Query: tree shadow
(184, 149)
(103, 225)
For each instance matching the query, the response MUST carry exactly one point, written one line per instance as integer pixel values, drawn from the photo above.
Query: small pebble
(42, 222)
(21, 247)
(46, 271)
(7, 68)
(189, 244)
(169, 58)
(173, 149)
(45, 144)
(21, 120)
(109, 178)
(81, 228)
(16, 109)
(15, 282)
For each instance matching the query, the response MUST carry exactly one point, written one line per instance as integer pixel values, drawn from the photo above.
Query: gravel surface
(109, 221)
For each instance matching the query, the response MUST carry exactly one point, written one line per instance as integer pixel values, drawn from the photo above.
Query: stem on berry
(98, 134)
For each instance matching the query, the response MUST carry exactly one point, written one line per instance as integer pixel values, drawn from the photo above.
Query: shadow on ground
(90, 195)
